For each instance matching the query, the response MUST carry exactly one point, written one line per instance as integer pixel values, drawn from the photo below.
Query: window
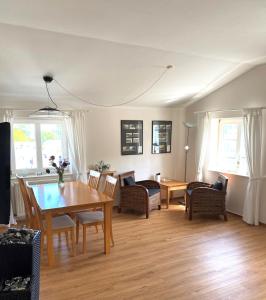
(35, 142)
(227, 148)
(51, 138)
(25, 146)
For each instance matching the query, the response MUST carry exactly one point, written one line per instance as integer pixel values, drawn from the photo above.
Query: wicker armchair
(143, 196)
(202, 198)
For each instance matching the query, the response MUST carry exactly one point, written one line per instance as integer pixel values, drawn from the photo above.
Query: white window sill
(229, 173)
(43, 176)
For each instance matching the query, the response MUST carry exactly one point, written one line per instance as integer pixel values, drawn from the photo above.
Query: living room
(172, 90)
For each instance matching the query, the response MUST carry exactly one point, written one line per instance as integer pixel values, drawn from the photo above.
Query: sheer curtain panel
(76, 125)
(203, 127)
(253, 144)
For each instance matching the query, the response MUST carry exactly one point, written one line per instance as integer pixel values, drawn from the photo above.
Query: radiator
(16, 196)
(17, 201)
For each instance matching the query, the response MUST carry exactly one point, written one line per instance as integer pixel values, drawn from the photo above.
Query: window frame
(219, 139)
(39, 170)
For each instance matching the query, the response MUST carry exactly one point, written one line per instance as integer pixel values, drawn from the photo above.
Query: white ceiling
(111, 51)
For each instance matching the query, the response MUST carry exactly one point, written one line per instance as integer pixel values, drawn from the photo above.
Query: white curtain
(203, 128)
(7, 116)
(253, 144)
(76, 125)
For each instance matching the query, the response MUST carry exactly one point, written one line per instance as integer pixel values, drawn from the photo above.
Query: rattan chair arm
(134, 197)
(206, 192)
(197, 184)
(135, 189)
(149, 184)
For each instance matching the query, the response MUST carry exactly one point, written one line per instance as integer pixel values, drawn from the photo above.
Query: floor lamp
(188, 127)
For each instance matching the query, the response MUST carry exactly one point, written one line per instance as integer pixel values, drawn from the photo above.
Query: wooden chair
(27, 203)
(94, 178)
(93, 182)
(94, 218)
(29, 208)
(62, 223)
(204, 198)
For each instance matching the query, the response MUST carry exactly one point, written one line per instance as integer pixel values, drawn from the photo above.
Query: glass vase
(61, 180)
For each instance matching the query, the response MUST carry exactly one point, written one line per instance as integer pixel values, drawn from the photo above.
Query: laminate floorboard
(164, 257)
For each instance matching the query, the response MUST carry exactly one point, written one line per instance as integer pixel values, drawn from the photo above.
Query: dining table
(72, 197)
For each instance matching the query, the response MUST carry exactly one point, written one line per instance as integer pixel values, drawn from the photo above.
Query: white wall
(104, 141)
(248, 90)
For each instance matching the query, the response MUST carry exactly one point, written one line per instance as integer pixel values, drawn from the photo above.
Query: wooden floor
(165, 257)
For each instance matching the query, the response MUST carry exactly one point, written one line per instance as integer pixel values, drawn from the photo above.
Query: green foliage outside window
(21, 135)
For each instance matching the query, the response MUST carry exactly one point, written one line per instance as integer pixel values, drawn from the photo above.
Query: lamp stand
(186, 155)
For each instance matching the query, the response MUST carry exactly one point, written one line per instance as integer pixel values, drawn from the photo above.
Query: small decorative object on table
(157, 177)
(60, 169)
(101, 166)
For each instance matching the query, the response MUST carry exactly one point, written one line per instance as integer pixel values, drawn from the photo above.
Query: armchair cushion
(129, 181)
(153, 192)
(218, 185)
(189, 192)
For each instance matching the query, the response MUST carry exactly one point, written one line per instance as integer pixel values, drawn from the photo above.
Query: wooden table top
(73, 195)
(172, 183)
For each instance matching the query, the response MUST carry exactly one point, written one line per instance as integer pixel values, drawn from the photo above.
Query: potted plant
(101, 166)
(60, 168)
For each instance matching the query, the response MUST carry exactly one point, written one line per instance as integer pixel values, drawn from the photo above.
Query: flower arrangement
(101, 166)
(60, 168)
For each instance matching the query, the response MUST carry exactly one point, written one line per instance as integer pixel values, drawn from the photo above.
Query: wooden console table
(170, 185)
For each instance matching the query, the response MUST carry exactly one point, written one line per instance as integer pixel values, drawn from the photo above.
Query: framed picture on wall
(131, 137)
(161, 137)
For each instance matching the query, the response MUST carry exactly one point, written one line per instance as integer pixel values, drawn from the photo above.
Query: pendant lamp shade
(48, 111)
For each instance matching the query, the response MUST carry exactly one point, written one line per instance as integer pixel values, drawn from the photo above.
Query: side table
(170, 185)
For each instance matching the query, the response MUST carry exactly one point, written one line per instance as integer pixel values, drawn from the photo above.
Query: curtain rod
(31, 110)
(225, 110)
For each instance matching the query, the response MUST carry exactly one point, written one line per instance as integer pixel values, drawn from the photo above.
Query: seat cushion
(153, 192)
(189, 192)
(218, 185)
(63, 221)
(129, 181)
(86, 217)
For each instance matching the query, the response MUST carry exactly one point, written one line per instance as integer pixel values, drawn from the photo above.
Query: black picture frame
(131, 137)
(161, 137)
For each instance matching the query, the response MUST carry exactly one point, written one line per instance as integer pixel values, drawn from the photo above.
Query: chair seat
(87, 217)
(61, 222)
(153, 192)
(189, 192)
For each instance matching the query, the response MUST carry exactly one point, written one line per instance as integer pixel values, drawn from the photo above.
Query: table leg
(161, 189)
(49, 234)
(168, 195)
(107, 226)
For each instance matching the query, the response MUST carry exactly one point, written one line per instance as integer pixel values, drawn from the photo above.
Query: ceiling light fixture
(48, 111)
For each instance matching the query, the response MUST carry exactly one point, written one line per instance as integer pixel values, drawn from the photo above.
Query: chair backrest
(37, 212)
(224, 180)
(109, 186)
(125, 175)
(26, 200)
(94, 178)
